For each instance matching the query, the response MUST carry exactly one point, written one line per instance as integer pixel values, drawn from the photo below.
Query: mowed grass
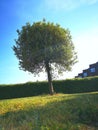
(57, 112)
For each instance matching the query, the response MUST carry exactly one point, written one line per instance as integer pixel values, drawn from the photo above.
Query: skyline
(79, 16)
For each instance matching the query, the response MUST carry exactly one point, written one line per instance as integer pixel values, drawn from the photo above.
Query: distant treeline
(68, 86)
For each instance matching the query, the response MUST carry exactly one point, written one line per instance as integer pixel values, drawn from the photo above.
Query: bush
(38, 88)
(79, 85)
(23, 90)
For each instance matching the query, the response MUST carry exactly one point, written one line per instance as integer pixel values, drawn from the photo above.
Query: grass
(57, 112)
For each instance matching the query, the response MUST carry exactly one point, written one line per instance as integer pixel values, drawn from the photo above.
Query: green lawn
(58, 112)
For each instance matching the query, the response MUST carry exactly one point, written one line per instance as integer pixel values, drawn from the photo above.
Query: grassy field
(58, 112)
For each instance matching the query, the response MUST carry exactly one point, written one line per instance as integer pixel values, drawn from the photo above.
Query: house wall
(91, 71)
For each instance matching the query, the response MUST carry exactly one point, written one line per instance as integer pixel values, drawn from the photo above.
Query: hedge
(38, 88)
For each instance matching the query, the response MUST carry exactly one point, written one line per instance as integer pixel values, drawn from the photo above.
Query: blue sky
(80, 16)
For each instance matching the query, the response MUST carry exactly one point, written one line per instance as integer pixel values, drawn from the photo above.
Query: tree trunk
(48, 70)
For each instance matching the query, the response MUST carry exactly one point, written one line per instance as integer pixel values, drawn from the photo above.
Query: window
(92, 70)
(85, 74)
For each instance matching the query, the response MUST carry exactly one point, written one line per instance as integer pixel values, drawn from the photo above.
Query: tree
(45, 45)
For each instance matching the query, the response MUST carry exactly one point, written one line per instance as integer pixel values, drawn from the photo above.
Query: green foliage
(23, 90)
(44, 41)
(69, 86)
(57, 112)
(44, 46)
(79, 85)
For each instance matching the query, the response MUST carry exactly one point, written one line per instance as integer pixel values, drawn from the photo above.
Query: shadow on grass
(66, 114)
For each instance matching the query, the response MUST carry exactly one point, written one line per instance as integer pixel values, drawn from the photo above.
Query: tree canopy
(45, 45)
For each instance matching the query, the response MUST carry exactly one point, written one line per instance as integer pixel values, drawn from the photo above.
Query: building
(91, 71)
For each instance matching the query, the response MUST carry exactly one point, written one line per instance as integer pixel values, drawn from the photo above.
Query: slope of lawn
(57, 112)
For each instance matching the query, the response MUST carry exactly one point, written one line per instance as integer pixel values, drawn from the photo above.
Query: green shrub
(38, 88)
(23, 90)
(78, 85)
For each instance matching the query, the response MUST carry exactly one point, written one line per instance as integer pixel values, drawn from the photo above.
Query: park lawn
(46, 112)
